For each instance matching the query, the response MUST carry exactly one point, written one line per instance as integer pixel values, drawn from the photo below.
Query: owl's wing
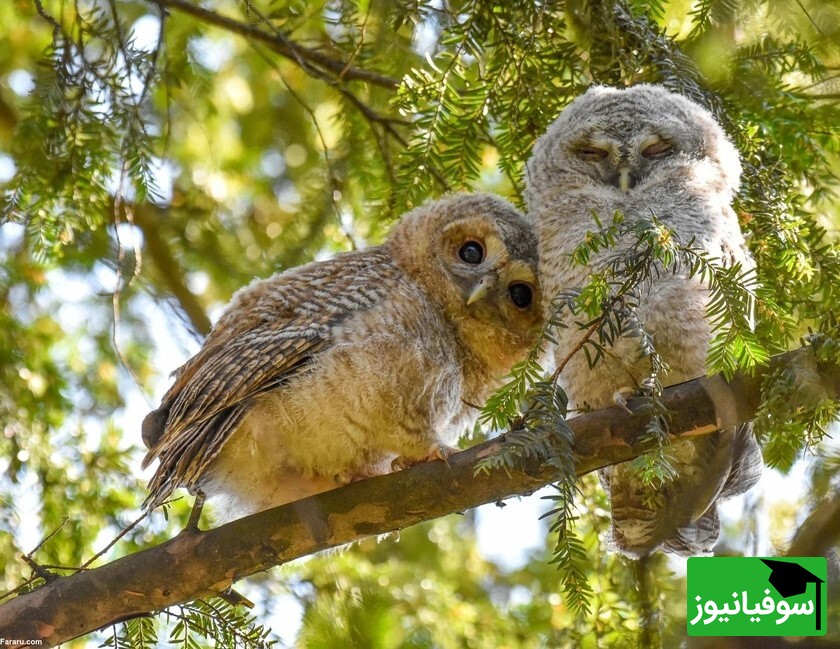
(271, 332)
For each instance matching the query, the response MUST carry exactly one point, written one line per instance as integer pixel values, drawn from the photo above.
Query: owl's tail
(696, 538)
(683, 517)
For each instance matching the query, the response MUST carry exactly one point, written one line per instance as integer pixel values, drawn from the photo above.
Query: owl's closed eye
(624, 163)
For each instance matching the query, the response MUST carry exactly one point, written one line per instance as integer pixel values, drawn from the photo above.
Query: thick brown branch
(146, 218)
(819, 532)
(194, 565)
(282, 45)
(8, 118)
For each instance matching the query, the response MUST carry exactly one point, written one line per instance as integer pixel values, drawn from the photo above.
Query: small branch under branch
(148, 218)
(284, 46)
(194, 565)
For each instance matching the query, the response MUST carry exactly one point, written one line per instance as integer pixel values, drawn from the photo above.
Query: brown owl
(330, 372)
(645, 150)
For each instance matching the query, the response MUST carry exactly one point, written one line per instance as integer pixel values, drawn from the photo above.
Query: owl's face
(619, 137)
(477, 256)
(624, 159)
(493, 285)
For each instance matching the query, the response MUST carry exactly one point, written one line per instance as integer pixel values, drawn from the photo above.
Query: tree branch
(281, 44)
(819, 531)
(203, 564)
(146, 218)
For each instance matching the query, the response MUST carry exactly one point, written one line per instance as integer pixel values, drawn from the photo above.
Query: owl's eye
(472, 252)
(591, 153)
(521, 294)
(658, 150)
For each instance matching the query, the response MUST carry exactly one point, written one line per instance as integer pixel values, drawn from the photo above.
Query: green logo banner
(739, 596)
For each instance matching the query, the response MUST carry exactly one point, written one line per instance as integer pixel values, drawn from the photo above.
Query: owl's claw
(439, 452)
(641, 393)
(346, 477)
(442, 452)
(620, 397)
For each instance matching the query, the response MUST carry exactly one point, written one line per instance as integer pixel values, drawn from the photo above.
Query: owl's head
(619, 137)
(476, 256)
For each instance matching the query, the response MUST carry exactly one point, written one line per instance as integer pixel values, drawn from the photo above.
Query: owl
(641, 151)
(342, 369)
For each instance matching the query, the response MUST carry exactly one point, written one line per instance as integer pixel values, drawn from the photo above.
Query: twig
(470, 404)
(38, 569)
(281, 44)
(17, 589)
(360, 44)
(119, 281)
(374, 119)
(113, 541)
(49, 536)
(233, 598)
(812, 21)
(628, 285)
(331, 176)
(57, 29)
(592, 329)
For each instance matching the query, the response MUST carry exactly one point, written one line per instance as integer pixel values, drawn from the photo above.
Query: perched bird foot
(438, 452)
(642, 393)
(621, 396)
(346, 477)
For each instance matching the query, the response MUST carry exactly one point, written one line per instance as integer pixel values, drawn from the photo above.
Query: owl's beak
(624, 179)
(482, 288)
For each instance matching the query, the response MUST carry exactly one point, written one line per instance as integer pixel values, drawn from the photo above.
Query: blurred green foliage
(157, 155)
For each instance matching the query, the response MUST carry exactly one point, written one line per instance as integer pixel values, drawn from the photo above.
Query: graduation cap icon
(790, 579)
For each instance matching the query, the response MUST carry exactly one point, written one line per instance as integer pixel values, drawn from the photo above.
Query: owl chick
(641, 151)
(328, 372)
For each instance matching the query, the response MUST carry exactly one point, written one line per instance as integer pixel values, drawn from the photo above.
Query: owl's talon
(346, 477)
(402, 462)
(439, 452)
(620, 397)
(442, 453)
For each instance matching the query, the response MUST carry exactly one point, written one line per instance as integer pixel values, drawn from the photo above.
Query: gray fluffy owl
(329, 372)
(644, 150)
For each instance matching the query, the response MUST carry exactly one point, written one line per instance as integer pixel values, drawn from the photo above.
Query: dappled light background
(196, 158)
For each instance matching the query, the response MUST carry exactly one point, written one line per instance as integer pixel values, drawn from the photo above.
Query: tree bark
(203, 564)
